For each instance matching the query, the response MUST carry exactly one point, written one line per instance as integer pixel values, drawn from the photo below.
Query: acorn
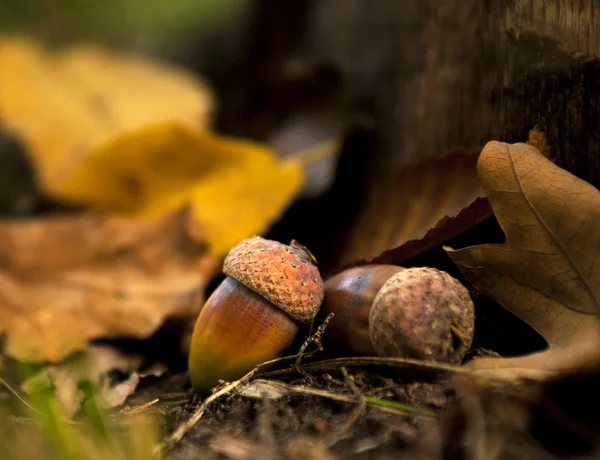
(349, 296)
(271, 290)
(387, 310)
(422, 313)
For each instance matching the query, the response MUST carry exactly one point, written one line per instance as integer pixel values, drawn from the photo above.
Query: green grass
(35, 427)
(400, 406)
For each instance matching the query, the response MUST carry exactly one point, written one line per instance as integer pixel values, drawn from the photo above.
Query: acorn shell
(284, 275)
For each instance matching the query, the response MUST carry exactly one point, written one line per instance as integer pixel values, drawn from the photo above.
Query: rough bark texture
(445, 75)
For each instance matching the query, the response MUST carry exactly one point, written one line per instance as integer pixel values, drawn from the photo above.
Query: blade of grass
(399, 406)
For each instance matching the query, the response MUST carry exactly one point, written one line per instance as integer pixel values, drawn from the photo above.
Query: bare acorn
(349, 295)
(422, 313)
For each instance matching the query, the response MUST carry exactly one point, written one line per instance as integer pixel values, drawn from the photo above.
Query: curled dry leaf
(66, 281)
(397, 216)
(447, 228)
(127, 135)
(547, 272)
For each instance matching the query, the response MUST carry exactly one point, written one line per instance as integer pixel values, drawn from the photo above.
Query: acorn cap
(284, 275)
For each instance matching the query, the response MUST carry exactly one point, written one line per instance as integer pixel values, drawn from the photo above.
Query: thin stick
(317, 338)
(308, 391)
(318, 152)
(409, 365)
(140, 408)
(16, 394)
(182, 429)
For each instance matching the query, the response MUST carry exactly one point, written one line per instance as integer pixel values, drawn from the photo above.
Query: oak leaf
(65, 281)
(538, 139)
(547, 272)
(420, 198)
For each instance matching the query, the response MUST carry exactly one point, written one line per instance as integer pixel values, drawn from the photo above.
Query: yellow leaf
(235, 188)
(122, 134)
(64, 105)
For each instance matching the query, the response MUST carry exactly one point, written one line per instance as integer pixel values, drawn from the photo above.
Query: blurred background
(376, 86)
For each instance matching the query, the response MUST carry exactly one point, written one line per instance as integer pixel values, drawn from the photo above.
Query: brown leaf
(547, 272)
(418, 199)
(537, 139)
(60, 242)
(70, 280)
(445, 229)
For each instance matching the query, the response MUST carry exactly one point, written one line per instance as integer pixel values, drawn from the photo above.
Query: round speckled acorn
(254, 314)
(349, 295)
(422, 313)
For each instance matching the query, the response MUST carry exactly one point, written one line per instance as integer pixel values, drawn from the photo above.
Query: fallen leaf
(547, 272)
(259, 389)
(91, 366)
(447, 228)
(417, 200)
(537, 139)
(66, 104)
(116, 395)
(96, 277)
(235, 188)
(125, 135)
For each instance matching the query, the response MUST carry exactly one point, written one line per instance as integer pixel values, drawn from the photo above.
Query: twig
(307, 391)
(318, 152)
(265, 428)
(354, 415)
(140, 408)
(414, 366)
(182, 429)
(400, 393)
(316, 338)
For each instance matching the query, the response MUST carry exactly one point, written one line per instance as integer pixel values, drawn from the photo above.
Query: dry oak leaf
(547, 272)
(417, 199)
(125, 135)
(116, 278)
(538, 139)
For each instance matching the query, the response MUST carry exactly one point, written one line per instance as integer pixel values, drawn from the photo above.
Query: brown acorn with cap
(270, 291)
